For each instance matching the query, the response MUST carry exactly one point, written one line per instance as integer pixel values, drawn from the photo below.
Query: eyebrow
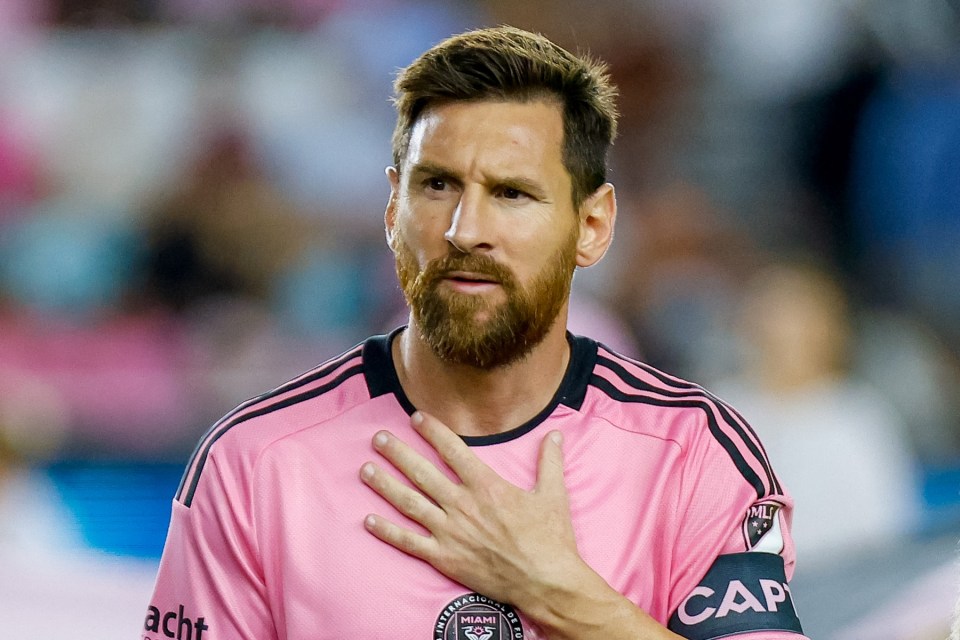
(431, 169)
(520, 183)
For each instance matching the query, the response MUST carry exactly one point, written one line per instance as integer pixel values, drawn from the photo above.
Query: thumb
(550, 470)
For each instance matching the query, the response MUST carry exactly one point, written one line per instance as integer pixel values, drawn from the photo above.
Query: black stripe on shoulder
(689, 389)
(695, 397)
(739, 461)
(260, 406)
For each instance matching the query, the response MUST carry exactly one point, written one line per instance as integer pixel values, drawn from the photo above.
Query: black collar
(381, 377)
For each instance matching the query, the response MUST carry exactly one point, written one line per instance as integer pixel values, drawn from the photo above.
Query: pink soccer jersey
(673, 502)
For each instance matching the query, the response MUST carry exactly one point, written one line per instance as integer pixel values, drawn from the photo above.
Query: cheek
(411, 256)
(543, 251)
(422, 232)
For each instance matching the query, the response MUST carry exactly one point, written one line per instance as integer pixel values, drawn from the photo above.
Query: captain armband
(741, 593)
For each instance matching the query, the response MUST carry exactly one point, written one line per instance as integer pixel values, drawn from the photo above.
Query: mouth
(471, 282)
(469, 277)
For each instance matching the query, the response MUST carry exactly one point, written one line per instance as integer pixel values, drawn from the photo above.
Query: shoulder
(657, 403)
(238, 438)
(637, 397)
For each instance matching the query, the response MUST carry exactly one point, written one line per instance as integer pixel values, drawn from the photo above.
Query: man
(481, 473)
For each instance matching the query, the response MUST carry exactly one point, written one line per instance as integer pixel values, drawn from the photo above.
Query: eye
(512, 193)
(436, 184)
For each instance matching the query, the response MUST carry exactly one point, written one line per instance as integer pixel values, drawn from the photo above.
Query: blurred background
(191, 200)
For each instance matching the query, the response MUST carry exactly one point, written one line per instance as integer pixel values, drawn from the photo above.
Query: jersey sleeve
(210, 584)
(733, 554)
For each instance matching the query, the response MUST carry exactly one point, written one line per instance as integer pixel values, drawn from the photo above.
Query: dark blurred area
(191, 199)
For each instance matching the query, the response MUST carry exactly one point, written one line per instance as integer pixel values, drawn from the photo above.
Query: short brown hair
(506, 63)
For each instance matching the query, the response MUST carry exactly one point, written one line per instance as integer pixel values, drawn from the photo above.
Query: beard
(469, 329)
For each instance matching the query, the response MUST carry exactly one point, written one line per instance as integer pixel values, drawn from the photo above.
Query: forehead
(490, 135)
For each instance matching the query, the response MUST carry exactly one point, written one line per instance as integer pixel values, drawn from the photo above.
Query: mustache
(479, 264)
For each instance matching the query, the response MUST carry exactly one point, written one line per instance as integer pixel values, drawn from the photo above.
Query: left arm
(512, 545)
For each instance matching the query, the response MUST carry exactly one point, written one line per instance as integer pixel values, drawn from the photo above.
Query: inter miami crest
(476, 617)
(760, 519)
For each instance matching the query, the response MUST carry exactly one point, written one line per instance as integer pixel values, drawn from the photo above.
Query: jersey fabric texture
(672, 498)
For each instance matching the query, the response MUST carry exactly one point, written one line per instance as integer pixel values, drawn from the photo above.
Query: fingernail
(556, 437)
(416, 419)
(380, 440)
(370, 522)
(367, 471)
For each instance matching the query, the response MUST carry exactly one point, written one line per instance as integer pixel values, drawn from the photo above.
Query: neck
(477, 402)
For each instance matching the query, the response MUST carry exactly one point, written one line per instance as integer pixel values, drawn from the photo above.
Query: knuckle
(411, 504)
(391, 533)
(409, 542)
(383, 484)
(449, 452)
(444, 562)
(418, 478)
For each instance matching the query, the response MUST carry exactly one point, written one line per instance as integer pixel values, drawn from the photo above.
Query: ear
(390, 215)
(598, 213)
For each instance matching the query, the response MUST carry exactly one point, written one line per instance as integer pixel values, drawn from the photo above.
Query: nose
(468, 230)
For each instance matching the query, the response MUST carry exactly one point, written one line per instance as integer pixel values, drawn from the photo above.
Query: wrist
(582, 606)
(577, 596)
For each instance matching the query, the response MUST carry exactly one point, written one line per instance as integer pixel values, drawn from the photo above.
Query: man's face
(483, 228)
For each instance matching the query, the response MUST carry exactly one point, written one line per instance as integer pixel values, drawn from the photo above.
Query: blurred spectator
(906, 193)
(679, 280)
(234, 261)
(838, 445)
(826, 125)
(225, 231)
(914, 368)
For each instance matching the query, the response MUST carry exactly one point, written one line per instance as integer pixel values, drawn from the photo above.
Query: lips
(470, 276)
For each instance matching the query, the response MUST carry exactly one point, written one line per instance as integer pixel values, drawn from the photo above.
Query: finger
(406, 500)
(410, 542)
(550, 467)
(450, 447)
(422, 473)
